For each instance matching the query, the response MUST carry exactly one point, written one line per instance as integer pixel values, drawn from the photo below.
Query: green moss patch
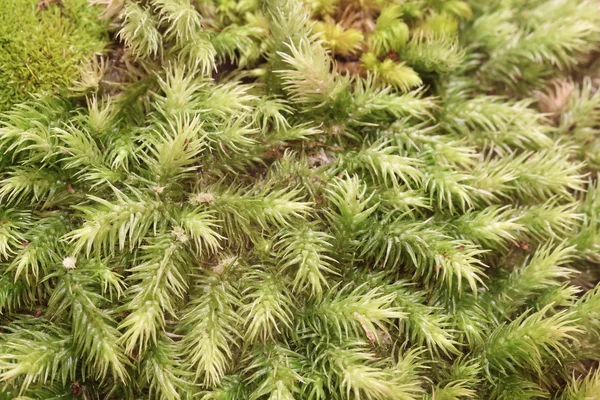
(42, 43)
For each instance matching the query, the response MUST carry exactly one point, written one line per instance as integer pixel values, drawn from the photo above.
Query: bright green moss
(42, 44)
(398, 209)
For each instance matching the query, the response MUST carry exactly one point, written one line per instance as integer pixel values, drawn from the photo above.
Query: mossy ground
(42, 43)
(308, 200)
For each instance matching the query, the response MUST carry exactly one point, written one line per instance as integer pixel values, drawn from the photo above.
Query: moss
(42, 44)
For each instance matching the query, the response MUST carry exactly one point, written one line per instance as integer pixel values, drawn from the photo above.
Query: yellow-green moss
(42, 44)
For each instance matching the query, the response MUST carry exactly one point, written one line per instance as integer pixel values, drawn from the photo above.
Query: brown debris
(556, 99)
(43, 4)
(76, 388)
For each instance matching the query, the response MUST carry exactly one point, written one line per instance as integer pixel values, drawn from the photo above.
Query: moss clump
(42, 43)
(220, 212)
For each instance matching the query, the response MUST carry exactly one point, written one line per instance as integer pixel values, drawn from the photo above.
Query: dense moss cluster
(41, 44)
(373, 199)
